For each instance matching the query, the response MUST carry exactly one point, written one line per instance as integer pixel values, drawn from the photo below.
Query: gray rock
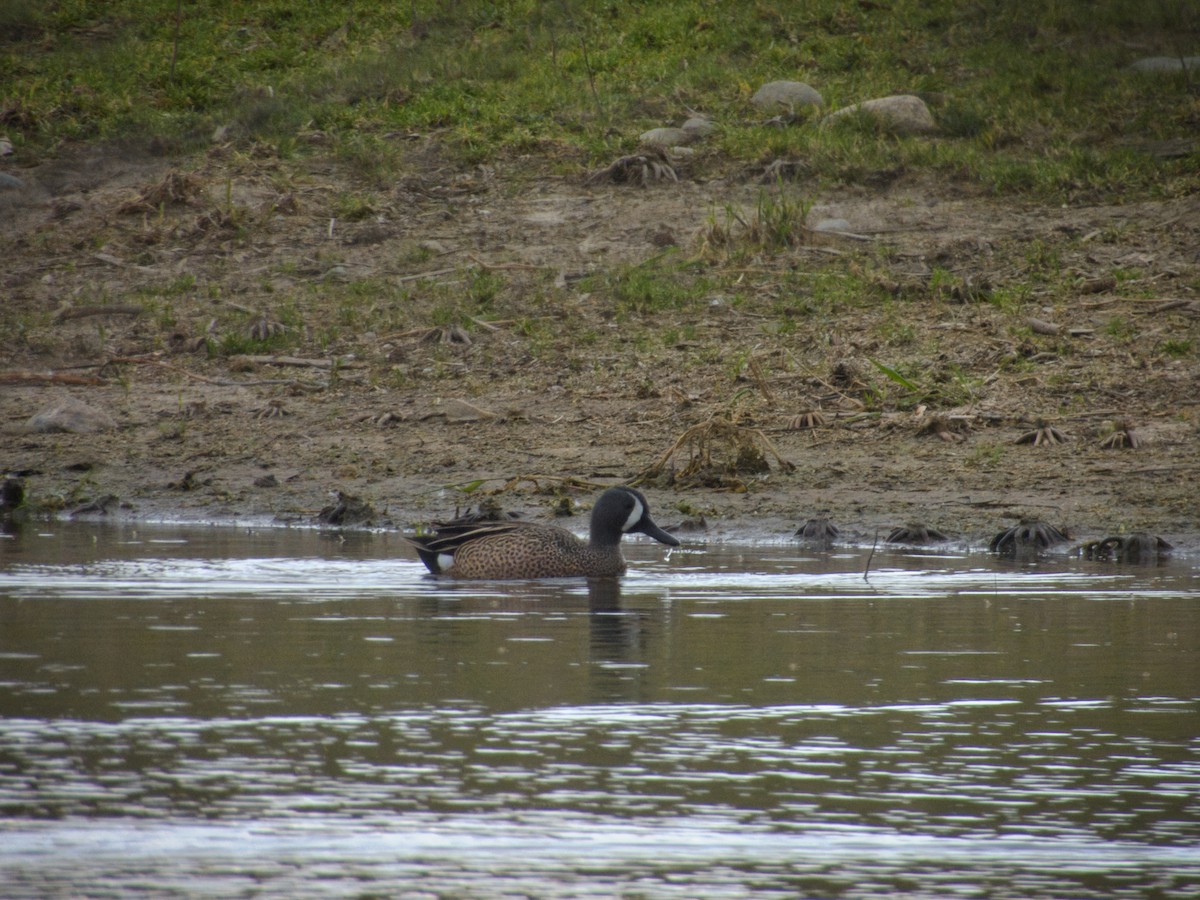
(699, 127)
(902, 114)
(832, 225)
(789, 95)
(666, 137)
(10, 182)
(1165, 65)
(71, 416)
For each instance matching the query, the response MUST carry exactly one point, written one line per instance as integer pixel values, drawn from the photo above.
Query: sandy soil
(546, 416)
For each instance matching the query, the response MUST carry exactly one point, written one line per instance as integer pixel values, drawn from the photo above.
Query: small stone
(1165, 65)
(902, 114)
(786, 94)
(460, 411)
(699, 127)
(434, 246)
(10, 182)
(666, 137)
(71, 416)
(832, 225)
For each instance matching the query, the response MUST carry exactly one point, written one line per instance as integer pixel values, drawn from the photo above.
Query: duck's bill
(649, 529)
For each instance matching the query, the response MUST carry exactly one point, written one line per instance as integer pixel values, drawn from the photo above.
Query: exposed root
(348, 510)
(785, 170)
(1121, 437)
(1026, 539)
(917, 534)
(449, 334)
(850, 374)
(264, 328)
(818, 531)
(720, 451)
(175, 189)
(274, 409)
(808, 420)
(1137, 548)
(1044, 434)
(381, 420)
(944, 428)
(646, 167)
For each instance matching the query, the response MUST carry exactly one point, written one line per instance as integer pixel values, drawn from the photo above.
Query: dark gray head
(623, 510)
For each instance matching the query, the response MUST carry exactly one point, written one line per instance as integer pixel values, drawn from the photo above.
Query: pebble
(699, 127)
(832, 225)
(10, 182)
(694, 129)
(1165, 65)
(902, 114)
(786, 94)
(71, 416)
(666, 137)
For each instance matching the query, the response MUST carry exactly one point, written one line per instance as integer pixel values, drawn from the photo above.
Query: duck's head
(622, 510)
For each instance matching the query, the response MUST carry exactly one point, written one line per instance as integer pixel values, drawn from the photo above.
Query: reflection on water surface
(294, 714)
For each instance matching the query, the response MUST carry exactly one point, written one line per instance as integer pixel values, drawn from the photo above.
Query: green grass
(660, 284)
(1177, 349)
(1032, 99)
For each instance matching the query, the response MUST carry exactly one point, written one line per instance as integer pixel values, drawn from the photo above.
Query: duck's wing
(437, 546)
(446, 537)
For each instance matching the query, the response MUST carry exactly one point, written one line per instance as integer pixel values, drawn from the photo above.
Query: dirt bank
(553, 388)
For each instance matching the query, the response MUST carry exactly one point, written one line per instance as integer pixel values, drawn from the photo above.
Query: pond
(193, 712)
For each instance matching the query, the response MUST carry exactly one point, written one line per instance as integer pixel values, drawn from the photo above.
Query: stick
(24, 376)
(82, 312)
(298, 361)
(871, 556)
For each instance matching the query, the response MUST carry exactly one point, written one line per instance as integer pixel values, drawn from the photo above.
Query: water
(220, 712)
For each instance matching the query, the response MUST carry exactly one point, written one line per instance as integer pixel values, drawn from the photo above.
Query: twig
(420, 275)
(760, 380)
(259, 360)
(24, 376)
(488, 266)
(871, 556)
(175, 41)
(591, 76)
(1166, 306)
(64, 313)
(218, 382)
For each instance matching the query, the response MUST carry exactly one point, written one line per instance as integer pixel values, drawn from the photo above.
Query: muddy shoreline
(552, 389)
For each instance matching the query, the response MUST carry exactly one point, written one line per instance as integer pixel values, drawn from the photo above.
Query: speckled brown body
(484, 546)
(535, 551)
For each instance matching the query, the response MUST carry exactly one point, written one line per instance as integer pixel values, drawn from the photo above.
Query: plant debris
(806, 421)
(1044, 434)
(1121, 436)
(721, 451)
(1028, 538)
(946, 428)
(643, 168)
(818, 531)
(917, 534)
(175, 189)
(1137, 548)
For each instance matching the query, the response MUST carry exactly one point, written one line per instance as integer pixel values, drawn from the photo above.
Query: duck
(477, 547)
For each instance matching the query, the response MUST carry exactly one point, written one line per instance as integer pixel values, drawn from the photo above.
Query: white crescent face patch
(635, 515)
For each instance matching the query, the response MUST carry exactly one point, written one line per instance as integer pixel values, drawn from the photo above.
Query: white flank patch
(445, 561)
(635, 516)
